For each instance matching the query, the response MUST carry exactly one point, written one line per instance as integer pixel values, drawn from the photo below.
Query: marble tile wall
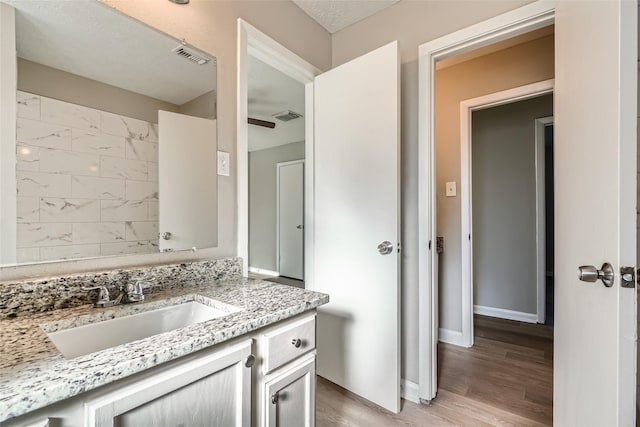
(87, 181)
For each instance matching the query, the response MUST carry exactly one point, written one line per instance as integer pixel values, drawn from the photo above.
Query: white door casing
(595, 211)
(519, 21)
(357, 208)
(290, 217)
(187, 188)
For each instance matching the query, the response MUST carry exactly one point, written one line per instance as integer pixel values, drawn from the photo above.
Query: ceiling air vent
(190, 55)
(287, 115)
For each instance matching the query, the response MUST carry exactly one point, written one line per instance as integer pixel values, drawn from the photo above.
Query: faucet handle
(134, 291)
(103, 296)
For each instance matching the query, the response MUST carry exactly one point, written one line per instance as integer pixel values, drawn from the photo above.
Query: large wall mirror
(115, 137)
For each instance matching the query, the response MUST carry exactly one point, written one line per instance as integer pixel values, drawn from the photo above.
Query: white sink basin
(81, 340)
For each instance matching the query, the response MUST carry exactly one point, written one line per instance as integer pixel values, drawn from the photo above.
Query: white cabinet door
(187, 187)
(356, 162)
(212, 390)
(289, 397)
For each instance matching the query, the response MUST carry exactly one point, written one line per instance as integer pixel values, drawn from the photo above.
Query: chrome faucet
(129, 293)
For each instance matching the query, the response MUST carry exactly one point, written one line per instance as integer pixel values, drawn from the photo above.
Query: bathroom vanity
(254, 364)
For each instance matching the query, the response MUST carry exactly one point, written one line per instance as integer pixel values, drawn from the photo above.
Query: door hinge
(439, 244)
(627, 277)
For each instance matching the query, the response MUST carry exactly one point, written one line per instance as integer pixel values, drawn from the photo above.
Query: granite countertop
(34, 374)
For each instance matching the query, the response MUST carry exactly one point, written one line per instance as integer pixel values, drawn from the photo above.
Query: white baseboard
(451, 337)
(506, 314)
(263, 271)
(409, 391)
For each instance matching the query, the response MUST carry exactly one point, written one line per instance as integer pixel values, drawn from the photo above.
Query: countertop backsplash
(19, 298)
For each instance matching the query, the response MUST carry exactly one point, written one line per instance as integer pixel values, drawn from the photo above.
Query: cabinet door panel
(208, 402)
(290, 395)
(210, 390)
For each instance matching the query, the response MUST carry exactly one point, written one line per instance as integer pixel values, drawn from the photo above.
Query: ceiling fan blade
(262, 123)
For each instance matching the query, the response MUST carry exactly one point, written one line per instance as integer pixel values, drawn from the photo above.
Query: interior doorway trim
(467, 107)
(252, 41)
(519, 21)
(541, 223)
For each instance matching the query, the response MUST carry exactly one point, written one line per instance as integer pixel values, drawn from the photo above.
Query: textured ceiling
(335, 15)
(271, 92)
(87, 38)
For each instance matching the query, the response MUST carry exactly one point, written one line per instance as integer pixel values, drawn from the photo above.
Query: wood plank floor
(506, 378)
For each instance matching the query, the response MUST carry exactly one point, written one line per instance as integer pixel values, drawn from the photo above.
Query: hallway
(505, 378)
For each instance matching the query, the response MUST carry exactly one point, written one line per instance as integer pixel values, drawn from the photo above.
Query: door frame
(508, 25)
(541, 218)
(252, 41)
(278, 166)
(467, 107)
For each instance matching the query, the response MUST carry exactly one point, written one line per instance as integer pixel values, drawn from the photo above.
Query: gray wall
(262, 202)
(63, 86)
(504, 204)
(203, 106)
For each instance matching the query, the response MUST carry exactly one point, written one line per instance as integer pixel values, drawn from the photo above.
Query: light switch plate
(451, 189)
(223, 163)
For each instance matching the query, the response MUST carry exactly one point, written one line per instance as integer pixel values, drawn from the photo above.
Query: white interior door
(356, 209)
(595, 221)
(290, 191)
(188, 207)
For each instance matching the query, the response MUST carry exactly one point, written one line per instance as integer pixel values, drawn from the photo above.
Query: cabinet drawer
(289, 342)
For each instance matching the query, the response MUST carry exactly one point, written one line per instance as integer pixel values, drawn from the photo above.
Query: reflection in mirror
(90, 176)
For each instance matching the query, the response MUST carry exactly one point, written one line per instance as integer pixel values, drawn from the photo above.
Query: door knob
(166, 235)
(588, 273)
(385, 248)
(299, 227)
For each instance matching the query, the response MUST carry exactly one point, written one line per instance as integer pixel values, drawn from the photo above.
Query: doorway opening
(275, 126)
(276, 145)
(491, 111)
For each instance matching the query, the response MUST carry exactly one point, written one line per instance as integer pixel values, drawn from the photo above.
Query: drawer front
(289, 342)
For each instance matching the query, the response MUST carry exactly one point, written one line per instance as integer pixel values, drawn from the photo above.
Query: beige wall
(411, 23)
(203, 106)
(63, 86)
(517, 66)
(211, 26)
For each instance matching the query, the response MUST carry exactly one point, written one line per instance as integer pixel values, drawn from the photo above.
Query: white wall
(263, 202)
(504, 204)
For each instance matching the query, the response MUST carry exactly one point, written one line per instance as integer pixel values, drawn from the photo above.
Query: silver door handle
(300, 227)
(166, 235)
(588, 273)
(385, 248)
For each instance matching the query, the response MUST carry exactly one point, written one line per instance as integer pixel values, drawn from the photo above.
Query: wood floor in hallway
(506, 378)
